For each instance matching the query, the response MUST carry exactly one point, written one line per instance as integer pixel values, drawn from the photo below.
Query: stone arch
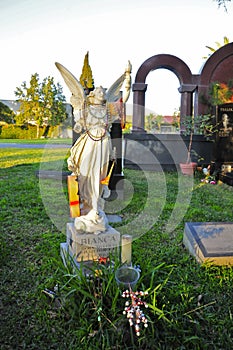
(219, 67)
(175, 65)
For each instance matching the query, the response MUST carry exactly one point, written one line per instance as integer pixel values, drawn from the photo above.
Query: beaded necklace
(103, 114)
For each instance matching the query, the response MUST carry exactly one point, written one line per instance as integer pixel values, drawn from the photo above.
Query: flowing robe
(89, 157)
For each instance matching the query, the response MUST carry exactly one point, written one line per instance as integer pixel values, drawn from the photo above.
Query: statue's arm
(79, 120)
(127, 82)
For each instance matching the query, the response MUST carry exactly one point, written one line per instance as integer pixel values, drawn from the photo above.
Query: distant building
(14, 106)
(169, 124)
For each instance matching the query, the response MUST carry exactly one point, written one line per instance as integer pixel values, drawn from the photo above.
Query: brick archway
(175, 65)
(219, 67)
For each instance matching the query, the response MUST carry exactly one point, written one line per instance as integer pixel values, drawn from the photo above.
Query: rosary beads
(133, 311)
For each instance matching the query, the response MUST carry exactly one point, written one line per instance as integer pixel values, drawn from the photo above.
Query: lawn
(190, 305)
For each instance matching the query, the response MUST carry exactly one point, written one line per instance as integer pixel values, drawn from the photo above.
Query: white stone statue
(90, 155)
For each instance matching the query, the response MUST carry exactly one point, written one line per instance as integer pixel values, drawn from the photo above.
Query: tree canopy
(41, 103)
(226, 41)
(86, 78)
(222, 3)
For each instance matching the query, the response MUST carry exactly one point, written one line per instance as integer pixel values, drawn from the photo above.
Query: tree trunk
(37, 131)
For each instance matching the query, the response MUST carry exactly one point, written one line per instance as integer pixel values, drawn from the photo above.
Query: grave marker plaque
(224, 136)
(210, 242)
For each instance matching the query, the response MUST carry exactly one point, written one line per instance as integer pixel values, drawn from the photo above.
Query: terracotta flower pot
(188, 168)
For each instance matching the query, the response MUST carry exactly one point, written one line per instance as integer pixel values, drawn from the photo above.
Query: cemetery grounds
(190, 305)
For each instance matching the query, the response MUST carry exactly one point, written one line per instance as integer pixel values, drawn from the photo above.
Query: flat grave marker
(210, 241)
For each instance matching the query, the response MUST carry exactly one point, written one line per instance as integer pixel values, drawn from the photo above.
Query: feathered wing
(113, 93)
(76, 89)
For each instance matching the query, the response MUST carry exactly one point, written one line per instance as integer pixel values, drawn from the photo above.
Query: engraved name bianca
(98, 240)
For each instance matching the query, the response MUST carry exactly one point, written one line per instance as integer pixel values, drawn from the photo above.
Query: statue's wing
(74, 86)
(113, 94)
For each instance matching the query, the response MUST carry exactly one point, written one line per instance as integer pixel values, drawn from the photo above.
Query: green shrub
(27, 131)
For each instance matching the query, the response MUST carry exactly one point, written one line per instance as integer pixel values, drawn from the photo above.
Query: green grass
(190, 305)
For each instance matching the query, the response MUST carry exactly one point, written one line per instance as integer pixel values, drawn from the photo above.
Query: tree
(222, 3)
(53, 102)
(220, 93)
(218, 45)
(86, 78)
(6, 114)
(153, 122)
(40, 103)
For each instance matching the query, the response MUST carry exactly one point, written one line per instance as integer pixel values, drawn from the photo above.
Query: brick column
(139, 90)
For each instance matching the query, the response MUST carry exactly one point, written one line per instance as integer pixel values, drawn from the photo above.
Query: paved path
(33, 145)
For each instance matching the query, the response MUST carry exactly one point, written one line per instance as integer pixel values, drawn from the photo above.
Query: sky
(37, 33)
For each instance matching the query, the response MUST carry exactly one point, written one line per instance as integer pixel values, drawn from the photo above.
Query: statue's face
(99, 95)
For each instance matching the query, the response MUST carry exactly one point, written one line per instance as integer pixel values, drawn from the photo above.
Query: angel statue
(91, 153)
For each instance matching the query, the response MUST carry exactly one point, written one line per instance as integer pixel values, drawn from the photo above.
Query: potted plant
(188, 167)
(200, 125)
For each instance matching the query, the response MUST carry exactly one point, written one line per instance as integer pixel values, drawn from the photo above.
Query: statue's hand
(79, 120)
(77, 128)
(71, 165)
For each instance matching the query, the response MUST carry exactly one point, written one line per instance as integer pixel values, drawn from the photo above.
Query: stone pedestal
(86, 247)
